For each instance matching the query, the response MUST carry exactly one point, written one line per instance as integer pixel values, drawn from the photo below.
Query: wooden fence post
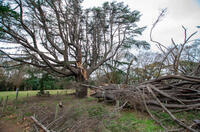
(17, 92)
(27, 96)
(1, 101)
(5, 104)
(56, 113)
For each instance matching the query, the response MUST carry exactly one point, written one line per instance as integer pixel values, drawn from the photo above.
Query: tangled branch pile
(171, 93)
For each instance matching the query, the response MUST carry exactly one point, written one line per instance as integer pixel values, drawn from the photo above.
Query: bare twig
(158, 44)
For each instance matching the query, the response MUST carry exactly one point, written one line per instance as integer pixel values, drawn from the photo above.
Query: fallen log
(40, 124)
(169, 77)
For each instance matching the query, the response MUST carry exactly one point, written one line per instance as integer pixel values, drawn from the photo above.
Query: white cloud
(180, 12)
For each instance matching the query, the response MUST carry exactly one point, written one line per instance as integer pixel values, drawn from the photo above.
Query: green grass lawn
(12, 94)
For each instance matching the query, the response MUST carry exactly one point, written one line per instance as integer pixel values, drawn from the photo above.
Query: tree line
(25, 77)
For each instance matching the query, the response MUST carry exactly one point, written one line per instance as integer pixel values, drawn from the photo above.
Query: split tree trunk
(81, 91)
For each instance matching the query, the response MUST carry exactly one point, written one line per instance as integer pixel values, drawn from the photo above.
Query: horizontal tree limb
(40, 125)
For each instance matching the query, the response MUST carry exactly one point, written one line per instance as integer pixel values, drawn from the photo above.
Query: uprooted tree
(63, 39)
(175, 88)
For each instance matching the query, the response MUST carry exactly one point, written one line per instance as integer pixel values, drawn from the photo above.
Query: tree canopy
(63, 38)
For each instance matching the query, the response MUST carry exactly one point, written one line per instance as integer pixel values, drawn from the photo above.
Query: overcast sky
(179, 12)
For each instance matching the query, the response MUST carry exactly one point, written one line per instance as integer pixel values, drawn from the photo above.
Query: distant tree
(190, 59)
(13, 76)
(32, 82)
(63, 39)
(117, 69)
(146, 67)
(18, 76)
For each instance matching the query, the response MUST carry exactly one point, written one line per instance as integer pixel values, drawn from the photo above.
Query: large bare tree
(62, 38)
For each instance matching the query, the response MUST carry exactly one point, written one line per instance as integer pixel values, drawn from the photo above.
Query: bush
(97, 111)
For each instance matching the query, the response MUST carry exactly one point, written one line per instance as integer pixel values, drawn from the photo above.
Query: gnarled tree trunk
(81, 91)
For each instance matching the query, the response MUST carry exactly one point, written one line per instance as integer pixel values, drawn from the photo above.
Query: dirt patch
(8, 123)
(8, 126)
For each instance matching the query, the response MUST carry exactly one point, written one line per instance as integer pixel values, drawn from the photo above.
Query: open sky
(179, 12)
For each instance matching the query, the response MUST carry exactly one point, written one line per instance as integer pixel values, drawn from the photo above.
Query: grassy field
(12, 94)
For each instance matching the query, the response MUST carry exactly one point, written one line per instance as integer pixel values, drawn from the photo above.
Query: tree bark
(81, 91)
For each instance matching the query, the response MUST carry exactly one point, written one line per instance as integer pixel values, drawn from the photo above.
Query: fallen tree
(173, 93)
(177, 92)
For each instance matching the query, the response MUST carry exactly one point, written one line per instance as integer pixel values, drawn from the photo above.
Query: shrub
(97, 111)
